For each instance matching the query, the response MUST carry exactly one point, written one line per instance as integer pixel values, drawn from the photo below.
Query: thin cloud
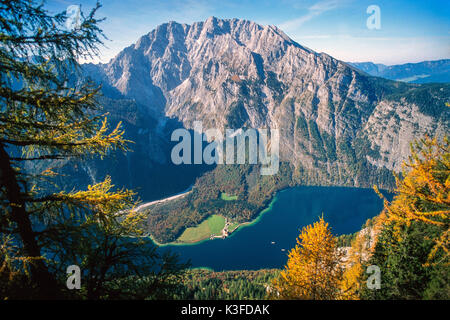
(313, 11)
(318, 36)
(326, 5)
(387, 50)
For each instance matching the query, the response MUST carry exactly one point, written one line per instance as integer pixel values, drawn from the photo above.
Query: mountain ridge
(338, 125)
(186, 72)
(419, 72)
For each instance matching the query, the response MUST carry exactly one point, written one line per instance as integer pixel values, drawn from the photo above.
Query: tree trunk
(40, 276)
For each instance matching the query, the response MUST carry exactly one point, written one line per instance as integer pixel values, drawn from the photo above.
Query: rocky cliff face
(333, 119)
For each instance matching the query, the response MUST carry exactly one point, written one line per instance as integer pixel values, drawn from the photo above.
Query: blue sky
(411, 31)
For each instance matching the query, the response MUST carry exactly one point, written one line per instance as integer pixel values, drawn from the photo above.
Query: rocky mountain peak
(237, 73)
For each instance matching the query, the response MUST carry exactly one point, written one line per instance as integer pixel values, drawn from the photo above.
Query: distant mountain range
(421, 72)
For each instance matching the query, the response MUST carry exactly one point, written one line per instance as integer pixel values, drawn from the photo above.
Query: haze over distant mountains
(338, 125)
(421, 72)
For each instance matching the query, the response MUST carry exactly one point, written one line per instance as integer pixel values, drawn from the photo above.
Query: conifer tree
(423, 193)
(412, 249)
(45, 118)
(313, 270)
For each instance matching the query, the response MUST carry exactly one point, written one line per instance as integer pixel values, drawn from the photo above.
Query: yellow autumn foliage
(358, 253)
(313, 270)
(423, 194)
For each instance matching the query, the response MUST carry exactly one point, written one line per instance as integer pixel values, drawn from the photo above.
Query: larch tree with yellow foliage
(360, 251)
(313, 270)
(412, 249)
(423, 194)
(44, 118)
(352, 281)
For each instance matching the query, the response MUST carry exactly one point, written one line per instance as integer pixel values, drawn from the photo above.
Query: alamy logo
(374, 280)
(374, 20)
(73, 16)
(74, 279)
(221, 148)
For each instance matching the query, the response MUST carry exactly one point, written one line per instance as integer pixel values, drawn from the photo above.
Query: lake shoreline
(267, 243)
(252, 222)
(240, 226)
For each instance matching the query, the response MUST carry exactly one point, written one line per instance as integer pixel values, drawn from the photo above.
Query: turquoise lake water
(260, 245)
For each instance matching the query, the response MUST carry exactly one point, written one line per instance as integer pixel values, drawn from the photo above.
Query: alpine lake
(266, 241)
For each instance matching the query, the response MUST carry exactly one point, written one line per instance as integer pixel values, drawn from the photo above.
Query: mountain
(421, 72)
(338, 125)
(240, 74)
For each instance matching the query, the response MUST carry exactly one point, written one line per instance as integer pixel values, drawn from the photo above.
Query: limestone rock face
(236, 73)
